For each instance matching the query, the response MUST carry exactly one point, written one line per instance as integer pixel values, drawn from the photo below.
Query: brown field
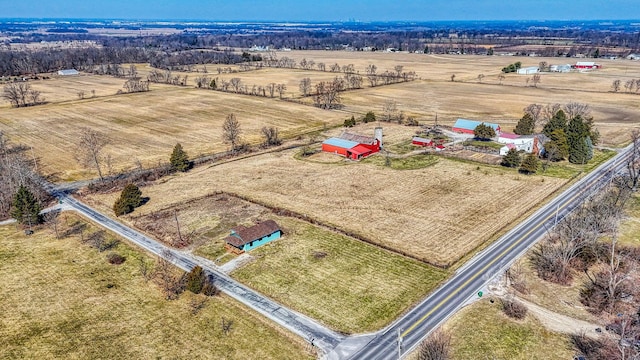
(146, 126)
(62, 299)
(408, 210)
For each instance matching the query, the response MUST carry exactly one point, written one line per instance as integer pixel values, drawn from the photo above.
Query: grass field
(482, 331)
(62, 299)
(349, 285)
(146, 126)
(409, 210)
(345, 283)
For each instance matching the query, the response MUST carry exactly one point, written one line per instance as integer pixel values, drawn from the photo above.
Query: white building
(529, 70)
(68, 72)
(560, 68)
(526, 143)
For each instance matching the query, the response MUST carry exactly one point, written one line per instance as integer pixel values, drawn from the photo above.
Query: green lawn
(62, 299)
(484, 144)
(565, 169)
(347, 284)
(403, 147)
(408, 163)
(482, 331)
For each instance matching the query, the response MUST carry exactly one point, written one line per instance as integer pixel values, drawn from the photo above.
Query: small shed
(68, 72)
(586, 65)
(421, 141)
(244, 238)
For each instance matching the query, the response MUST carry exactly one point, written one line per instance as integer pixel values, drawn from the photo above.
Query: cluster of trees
(528, 165)
(327, 94)
(20, 94)
(17, 171)
(136, 85)
(174, 283)
(630, 86)
(571, 138)
(166, 77)
(512, 67)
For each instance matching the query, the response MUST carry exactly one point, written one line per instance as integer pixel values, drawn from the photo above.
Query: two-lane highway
(320, 336)
(473, 276)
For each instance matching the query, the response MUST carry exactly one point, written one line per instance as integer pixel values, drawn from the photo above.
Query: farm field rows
(412, 211)
(146, 126)
(347, 284)
(62, 299)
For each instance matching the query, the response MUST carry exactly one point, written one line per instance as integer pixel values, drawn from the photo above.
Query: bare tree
(305, 86)
(480, 77)
(136, 85)
(501, 78)
(133, 71)
(335, 68)
(169, 282)
(321, 66)
(90, 147)
(371, 74)
(453, 77)
(535, 111)
(550, 111)
(203, 82)
(349, 69)
(389, 110)
(280, 88)
(328, 94)
(52, 220)
(271, 88)
(398, 70)
(633, 163)
(235, 83)
(573, 109)
(543, 66)
(435, 347)
(615, 86)
(535, 79)
(81, 94)
(271, 136)
(21, 94)
(227, 325)
(231, 131)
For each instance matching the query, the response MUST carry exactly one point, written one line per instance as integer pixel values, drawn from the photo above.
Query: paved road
(297, 323)
(474, 275)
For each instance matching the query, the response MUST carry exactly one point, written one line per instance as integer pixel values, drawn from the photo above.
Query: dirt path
(561, 323)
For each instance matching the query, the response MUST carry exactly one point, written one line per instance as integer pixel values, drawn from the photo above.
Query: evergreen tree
(577, 132)
(25, 207)
(557, 148)
(130, 198)
(558, 121)
(530, 164)
(179, 159)
(196, 280)
(484, 132)
(369, 117)
(525, 126)
(512, 159)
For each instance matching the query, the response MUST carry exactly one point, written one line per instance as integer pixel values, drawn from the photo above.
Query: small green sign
(479, 293)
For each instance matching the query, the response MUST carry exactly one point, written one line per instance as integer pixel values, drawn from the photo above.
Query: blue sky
(325, 10)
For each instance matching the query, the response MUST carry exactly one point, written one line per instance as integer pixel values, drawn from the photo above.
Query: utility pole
(175, 215)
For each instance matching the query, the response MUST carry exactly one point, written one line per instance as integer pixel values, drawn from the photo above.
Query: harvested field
(408, 210)
(146, 126)
(345, 283)
(62, 299)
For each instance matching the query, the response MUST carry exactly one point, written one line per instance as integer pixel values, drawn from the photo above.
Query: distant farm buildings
(68, 72)
(586, 65)
(354, 146)
(467, 126)
(565, 68)
(244, 238)
(421, 141)
(529, 70)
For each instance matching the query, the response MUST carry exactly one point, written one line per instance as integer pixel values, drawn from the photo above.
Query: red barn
(586, 65)
(351, 149)
(421, 141)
